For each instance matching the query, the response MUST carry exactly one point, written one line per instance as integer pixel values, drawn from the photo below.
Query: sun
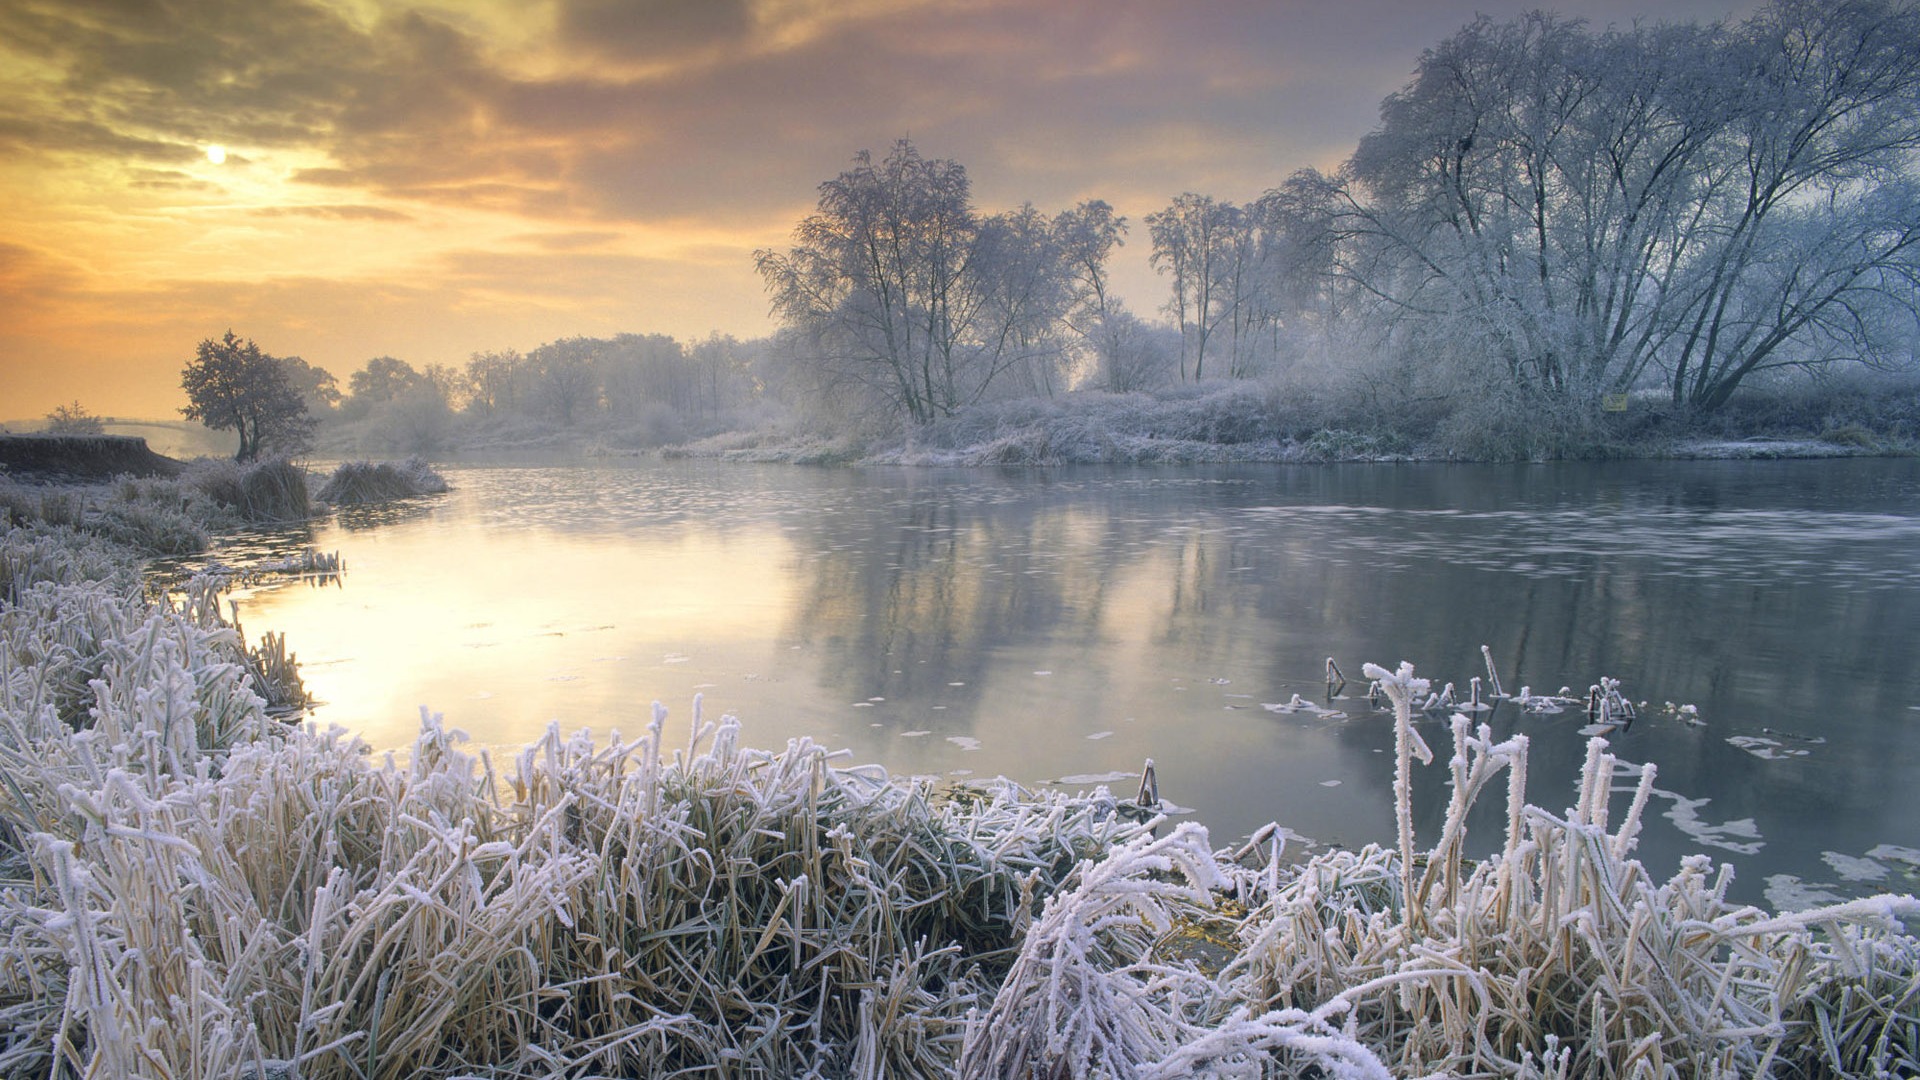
(217, 154)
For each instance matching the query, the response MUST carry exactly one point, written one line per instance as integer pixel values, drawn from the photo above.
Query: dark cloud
(651, 29)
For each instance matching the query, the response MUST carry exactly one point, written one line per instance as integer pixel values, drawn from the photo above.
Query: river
(1064, 625)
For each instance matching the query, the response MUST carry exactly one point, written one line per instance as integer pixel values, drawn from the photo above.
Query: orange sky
(429, 179)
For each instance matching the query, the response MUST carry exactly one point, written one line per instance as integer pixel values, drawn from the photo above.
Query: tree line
(1547, 214)
(276, 404)
(1546, 210)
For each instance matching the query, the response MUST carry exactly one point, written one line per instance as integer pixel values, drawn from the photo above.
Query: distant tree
(380, 381)
(1087, 235)
(317, 386)
(447, 383)
(73, 419)
(232, 386)
(495, 380)
(1193, 242)
(907, 297)
(564, 377)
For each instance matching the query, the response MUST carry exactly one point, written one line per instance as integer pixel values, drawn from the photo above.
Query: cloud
(335, 211)
(648, 29)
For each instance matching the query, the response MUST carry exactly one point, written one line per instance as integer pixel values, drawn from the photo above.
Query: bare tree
(902, 293)
(1592, 210)
(1192, 243)
(73, 419)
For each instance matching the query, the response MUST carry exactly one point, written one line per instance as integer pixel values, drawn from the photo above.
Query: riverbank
(1215, 422)
(212, 893)
(1245, 422)
(80, 459)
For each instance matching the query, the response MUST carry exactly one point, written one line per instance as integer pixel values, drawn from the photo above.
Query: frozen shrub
(358, 483)
(273, 490)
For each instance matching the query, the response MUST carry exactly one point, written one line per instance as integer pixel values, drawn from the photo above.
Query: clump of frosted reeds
(357, 483)
(260, 492)
(1560, 955)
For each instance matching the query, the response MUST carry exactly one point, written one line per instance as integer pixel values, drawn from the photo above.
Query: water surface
(1070, 623)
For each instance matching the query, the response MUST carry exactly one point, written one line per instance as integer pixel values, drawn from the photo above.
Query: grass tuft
(358, 483)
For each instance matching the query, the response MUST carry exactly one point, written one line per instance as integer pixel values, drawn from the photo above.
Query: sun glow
(217, 154)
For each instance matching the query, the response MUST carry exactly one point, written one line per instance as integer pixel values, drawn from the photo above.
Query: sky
(345, 179)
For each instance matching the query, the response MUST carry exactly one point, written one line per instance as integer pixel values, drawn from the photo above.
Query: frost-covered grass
(190, 888)
(173, 515)
(358, 483)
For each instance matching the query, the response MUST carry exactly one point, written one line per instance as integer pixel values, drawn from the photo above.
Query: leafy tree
(232, 386)
(73, 419)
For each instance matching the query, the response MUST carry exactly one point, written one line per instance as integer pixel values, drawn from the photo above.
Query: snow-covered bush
(357, 483)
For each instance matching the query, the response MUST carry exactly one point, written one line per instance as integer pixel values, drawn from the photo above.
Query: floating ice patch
(1768, 749)
(1298, 704)
(1895, 853)
(863, 704)
(483, 695)
(1329, 783)
(562, 678)
(1098, 735)
(1043, 673)
(956, 684)
(1742, 837)
(964, 742)
(1854, 868)
(915, 734)
(1221, 682)
(876, 699)
(1089, 779)
(960, 772)
(1786, 892)
(675, 658)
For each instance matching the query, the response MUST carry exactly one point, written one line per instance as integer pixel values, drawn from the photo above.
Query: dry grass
(358, 483)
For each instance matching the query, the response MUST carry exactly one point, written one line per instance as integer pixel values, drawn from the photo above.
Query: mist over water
(1070, 623)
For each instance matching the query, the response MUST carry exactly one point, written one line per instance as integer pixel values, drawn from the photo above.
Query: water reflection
(1075, 622)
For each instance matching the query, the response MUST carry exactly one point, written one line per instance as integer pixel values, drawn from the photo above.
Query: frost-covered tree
(904, 294)
(73, 419)
(563, 376)
(1681, 204)
(495, 380)
(1193, 245)
(316, 385)
(232, 386)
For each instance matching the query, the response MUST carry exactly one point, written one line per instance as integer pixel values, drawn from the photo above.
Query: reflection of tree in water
(1260, 578)
(381, 515)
